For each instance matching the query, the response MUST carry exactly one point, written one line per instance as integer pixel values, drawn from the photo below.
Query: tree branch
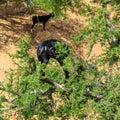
(51, 82)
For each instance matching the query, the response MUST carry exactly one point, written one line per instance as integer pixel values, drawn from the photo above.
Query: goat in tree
(47, 49)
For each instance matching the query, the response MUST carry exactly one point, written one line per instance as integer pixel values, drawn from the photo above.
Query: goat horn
(45, 48)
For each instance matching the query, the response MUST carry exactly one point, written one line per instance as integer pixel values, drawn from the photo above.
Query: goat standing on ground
(43, 19)
(47, 49)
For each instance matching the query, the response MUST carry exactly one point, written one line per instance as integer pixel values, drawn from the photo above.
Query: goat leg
(65, 71)
(44, 25)
(33, 25)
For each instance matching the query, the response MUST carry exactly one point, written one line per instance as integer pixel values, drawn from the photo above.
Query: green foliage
(62, 50)
(83, 92)
(54, 5)
(25, 86)
(89, 93)
(99, 29)
(111, 54)
(97, 32)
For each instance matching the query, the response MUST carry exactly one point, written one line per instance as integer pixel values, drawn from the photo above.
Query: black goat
(48, 49)
(43, 19)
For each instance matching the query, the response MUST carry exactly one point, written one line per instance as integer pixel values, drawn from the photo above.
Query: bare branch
(51, 82)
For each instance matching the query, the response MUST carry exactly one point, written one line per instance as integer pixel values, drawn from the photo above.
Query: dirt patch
(5, 61)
